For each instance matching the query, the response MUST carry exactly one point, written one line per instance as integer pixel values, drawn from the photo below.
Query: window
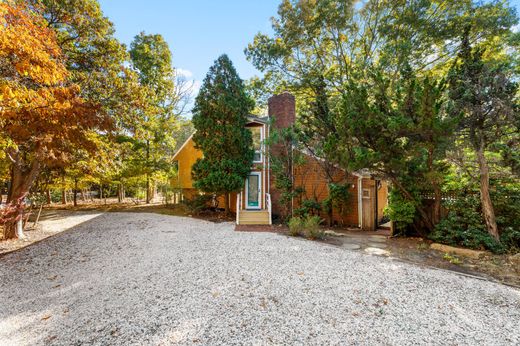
(257, 143)
(366, 193)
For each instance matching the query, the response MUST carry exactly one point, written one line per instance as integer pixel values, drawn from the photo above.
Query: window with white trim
(257, 134)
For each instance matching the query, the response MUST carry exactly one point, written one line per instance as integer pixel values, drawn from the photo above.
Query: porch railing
(268, 205)
(239, 206)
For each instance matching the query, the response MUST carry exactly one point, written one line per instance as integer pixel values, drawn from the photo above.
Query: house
(259, 200)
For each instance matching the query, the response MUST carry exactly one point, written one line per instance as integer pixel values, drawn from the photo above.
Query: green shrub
(506, 200)
(339, 197)
(197, 204)
(308, 227)
(464, 226)
(311, 226)
(295, 226)
(400, 210)
(308, 207)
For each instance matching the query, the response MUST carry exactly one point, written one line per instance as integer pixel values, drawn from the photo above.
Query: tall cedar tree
(483, 96)
(219, 117)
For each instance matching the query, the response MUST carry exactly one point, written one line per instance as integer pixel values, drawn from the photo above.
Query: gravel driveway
(134, 278)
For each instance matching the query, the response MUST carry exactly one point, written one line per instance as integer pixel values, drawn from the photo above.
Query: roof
(256, 119)
(183, 145)
(360, 173)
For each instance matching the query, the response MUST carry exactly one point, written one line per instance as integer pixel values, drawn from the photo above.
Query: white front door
(254, 190)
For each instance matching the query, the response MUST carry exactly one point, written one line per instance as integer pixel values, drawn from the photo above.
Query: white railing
(268, 205)
(239, 205)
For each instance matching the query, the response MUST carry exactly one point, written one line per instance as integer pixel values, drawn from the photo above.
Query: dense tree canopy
(371, 79)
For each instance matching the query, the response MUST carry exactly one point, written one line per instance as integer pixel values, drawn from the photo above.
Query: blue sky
(197, 31)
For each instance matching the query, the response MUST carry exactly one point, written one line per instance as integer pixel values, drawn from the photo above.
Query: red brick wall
(282, 108)
(313, 178)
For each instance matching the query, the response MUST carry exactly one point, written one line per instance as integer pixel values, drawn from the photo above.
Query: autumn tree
(99, 64)
(220, 117)
(43, 116)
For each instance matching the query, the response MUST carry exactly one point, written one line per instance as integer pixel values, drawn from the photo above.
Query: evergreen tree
(483, 100)
(220, 116)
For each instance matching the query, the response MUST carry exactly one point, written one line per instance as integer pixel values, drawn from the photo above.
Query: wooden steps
(253, 217)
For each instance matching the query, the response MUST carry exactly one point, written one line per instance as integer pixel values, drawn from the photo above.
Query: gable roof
(256, 119)
(183, 145)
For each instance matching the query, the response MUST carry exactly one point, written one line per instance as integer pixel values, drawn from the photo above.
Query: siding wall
(313, 178)
(186, 158)
(382, 199)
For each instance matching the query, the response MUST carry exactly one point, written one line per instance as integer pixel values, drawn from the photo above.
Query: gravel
(148, 279)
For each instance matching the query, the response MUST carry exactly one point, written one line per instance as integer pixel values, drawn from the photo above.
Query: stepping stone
(350, 246)
(378, 245)
(376, 251)
(334, 234)
(377, 239)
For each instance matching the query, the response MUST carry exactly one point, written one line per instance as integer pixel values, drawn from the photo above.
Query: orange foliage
(39, 108)
(43, 120)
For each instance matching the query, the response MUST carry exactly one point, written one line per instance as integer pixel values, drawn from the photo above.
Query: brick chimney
(282, 108)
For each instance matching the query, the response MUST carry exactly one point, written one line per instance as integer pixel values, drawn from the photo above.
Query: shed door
(368, 210)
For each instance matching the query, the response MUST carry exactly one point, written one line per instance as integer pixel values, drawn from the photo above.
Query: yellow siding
(382, 199)
(186, 157)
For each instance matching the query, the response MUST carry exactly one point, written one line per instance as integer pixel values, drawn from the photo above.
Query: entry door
(254, 190)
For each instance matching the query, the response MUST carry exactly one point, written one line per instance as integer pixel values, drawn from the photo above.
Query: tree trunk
(75, 197)
(63, 190)
(436, 188)
(437, 204)
(22, 180)
(100, 192)
(48, 196)
(485, 199)
(10, 186)
(19, 227)
(330, 211)
(147, 188)
(147, 173)
(119, 193)
(226, 203)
